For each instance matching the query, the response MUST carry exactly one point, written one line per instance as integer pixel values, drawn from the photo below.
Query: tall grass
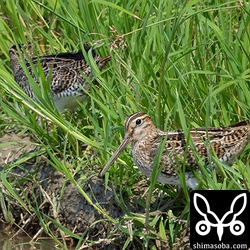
(185, 63)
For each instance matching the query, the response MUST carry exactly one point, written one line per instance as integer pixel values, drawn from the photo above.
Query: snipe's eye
(138, 121)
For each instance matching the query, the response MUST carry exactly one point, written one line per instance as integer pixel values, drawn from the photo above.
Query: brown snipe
(226, 142)
(69, 72)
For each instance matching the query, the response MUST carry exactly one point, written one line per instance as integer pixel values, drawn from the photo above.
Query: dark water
(24, 243)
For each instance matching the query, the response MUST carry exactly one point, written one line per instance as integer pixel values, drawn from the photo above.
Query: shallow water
(24, 243)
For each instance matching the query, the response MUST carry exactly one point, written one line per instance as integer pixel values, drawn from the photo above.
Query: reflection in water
(24, 243)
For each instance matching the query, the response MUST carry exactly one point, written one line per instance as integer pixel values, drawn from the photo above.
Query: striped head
(101, 62)
(137, 127)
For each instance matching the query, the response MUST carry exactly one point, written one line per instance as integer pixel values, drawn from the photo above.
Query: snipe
(69, 72)
(226, 142)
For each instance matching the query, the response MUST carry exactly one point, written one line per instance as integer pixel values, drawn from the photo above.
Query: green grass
(185, 63)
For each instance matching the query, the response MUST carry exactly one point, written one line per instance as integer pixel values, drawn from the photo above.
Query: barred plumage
(69, 73)
(226, 142)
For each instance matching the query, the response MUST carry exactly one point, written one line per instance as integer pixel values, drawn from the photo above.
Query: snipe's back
(69, 72)
(226, 142)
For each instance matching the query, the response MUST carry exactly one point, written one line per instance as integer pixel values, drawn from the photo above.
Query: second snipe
(68, 73)
(226, 142)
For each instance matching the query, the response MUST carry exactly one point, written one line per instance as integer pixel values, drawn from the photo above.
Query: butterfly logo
(210, 219)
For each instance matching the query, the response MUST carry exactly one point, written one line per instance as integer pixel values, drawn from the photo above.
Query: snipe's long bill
(226, 142)
(69, 72)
